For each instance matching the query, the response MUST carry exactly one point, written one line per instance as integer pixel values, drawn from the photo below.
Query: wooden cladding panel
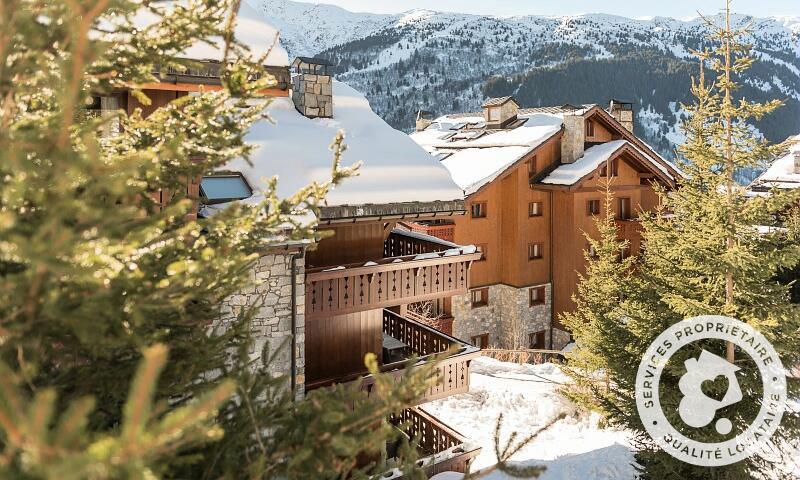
(357, 243)
(335, 346)
(338, 292)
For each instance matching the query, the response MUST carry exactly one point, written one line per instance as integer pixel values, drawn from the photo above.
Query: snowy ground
(575, 447)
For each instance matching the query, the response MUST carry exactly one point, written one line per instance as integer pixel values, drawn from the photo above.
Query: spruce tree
(94, 271)
(703, 254)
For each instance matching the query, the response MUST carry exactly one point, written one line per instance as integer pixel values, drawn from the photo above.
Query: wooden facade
(507, 228)
(352, 277)
(523, 215)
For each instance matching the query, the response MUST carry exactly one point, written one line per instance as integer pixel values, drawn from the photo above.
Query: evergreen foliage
(93, 270)
(702, 255)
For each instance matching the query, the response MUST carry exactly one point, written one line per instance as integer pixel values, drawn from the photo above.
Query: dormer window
(500, 111)
(216, 189)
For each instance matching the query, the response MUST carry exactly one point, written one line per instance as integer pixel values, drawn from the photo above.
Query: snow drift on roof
(471, 168)
(476, 162)
(252, 29)
(395, 169)
(569, 173)
(781, 173)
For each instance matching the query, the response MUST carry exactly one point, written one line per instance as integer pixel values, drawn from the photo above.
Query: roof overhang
(392, 211)
(599, 113)
(510, 168)
(634, 156)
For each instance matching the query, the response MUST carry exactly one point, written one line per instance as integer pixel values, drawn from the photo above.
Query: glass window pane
(224, 188)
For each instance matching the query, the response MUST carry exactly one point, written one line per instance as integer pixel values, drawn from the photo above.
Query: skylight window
(217, 189)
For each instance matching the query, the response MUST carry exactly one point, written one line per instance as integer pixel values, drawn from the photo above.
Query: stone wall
(271, 296)
(572, 142)
(560, 338)
(313, 95)
(508, 318)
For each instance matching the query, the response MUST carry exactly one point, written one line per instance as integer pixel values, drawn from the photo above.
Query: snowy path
(575, 447)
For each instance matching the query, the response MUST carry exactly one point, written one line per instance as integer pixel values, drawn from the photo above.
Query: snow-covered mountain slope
(445, 62)
(307, 29)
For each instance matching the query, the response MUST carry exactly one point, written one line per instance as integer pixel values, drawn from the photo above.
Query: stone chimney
(572, 142)
(312, 87)
(499, 112)
(423, 120)
(622, 111)
(796, 161)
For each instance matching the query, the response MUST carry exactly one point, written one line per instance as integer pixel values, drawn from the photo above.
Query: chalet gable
(600, 160)
(602, 117)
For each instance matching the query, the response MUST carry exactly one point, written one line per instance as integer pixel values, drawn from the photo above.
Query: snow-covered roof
(296, 149)
(476, 156)
(593, 157)
(252, 29)
(781, 174)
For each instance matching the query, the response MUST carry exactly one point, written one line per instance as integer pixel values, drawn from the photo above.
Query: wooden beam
(196, 87)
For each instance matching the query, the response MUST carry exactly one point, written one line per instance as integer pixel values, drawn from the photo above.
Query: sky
(635, 9)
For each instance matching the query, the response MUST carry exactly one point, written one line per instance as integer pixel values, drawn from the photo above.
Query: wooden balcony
(418, 340)
(402, 242)
(388, 282)
(441, 448)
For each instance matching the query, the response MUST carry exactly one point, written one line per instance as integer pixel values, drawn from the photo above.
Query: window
(482, 249)
(613, 164)
(479, 297)
(593, 207)
(589, 128)
(624, 208)
(105, 107)
(494, 114)
(536, 340)
(535, 251)
(535, 209)
(591, 250)
(481, 341)
(536, 296)
(218, 189)
(478, 210)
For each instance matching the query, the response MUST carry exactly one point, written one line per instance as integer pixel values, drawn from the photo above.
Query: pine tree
(602, 295)
(703, 254)
(93, 271)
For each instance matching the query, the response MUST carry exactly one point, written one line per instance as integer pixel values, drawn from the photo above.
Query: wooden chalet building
(533, 180)
(335, 300)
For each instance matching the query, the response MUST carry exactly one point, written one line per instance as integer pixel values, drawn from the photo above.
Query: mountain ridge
(447, 62)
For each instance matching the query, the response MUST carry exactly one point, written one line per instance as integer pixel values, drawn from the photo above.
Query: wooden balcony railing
(452, 371)
(402, 243)
(388, 282)
(442, 448)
